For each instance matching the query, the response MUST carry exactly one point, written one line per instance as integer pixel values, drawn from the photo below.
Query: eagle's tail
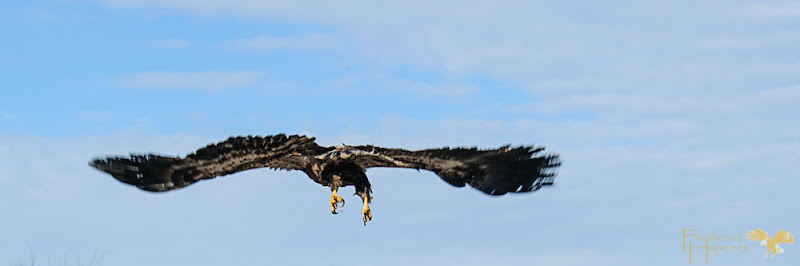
(148, 172)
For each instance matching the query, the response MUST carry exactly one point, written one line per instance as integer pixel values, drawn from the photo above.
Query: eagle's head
(762, 243)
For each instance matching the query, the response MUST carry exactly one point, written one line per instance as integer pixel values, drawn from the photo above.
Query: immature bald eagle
(494, 172)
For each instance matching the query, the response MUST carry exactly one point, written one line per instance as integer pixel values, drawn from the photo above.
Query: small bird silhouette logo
(771, 243)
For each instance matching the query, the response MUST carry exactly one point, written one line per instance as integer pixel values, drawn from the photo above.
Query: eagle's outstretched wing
(783, 237)
(757, 235)
(158, 173)
(494, 172)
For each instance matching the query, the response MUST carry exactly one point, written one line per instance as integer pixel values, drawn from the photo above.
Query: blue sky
(668, 116)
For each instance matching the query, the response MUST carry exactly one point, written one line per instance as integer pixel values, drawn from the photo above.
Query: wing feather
(783, 237)
(160, 173)
(494, 172)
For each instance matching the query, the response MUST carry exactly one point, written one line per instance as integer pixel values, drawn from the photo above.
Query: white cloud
(703, 84)
(586, 46)
(603, 189)
(611, 103)
(211, 80)
(733, 115)
(687, 113)
(312, 42)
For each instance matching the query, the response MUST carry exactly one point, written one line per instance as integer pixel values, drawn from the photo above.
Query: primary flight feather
(495, 171)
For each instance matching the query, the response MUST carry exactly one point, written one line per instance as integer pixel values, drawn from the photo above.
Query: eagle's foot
(367, 214)
(335, 199)
(363, 192)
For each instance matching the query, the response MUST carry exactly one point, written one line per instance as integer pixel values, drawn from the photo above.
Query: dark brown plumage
(496, 172)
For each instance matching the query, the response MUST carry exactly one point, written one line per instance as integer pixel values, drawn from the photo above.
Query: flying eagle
(494, 172)
(771, 243)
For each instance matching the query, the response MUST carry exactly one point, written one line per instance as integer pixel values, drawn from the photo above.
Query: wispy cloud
(171, 43)
(312, 42)
(96, 115)
(638, 105)
(781, 10)
(7, 116)
(41, 15)
(211, 80)
(402, 86)
(423, 89)
(518, 40)
(683, 125)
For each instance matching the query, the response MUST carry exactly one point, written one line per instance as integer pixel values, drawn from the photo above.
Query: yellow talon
(367, 213)
(334, 200)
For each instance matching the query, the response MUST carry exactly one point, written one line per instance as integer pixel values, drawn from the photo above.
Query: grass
(95, 260)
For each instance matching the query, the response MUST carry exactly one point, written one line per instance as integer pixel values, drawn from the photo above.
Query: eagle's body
(494, 172)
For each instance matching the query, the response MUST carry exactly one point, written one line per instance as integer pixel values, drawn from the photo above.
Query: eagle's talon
(335, 208)
(335, 199)
(367, 215)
